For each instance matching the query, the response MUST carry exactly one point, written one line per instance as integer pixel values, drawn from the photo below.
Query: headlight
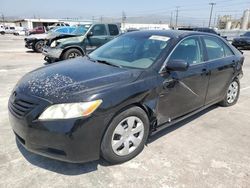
(54, 44)
(70, 110)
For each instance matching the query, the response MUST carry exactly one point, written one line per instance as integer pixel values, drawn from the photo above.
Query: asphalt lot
(211, 149)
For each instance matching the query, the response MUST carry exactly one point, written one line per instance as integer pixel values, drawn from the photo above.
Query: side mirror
(90, 34)
(177, 65)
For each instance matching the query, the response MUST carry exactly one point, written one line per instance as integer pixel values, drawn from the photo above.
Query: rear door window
(113, 30)
(214, 48)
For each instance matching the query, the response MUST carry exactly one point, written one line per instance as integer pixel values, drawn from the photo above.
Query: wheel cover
(73, 55)
(232, 92)
(127, 136)
(39, 46)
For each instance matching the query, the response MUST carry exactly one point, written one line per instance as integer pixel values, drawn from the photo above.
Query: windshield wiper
(107, 63)
(89, 58)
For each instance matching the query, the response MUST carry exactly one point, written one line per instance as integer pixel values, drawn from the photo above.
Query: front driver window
(189, 51)
(99, 30)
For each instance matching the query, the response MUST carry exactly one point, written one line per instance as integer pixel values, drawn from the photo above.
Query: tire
(122, 142)
(38, 47)
(232, 94)
(71, 53)
(2, 33)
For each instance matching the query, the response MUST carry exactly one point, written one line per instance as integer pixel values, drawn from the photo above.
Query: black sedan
(242, 42)
(108, 103)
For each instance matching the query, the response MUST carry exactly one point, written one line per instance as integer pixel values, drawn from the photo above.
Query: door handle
(205, 72)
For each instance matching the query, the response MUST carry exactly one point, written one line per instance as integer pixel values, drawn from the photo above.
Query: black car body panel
(166, 96)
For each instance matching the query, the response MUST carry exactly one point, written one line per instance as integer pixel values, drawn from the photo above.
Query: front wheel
(126, 136)
(232, 94)
(71, 53)
(38, 47)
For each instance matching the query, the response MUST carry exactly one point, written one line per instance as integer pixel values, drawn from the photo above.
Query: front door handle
(205, 72)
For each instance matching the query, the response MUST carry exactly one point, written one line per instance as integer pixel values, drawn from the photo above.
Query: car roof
(169, 33)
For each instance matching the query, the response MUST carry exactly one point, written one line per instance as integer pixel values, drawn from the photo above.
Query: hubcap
(127, 136)
(232, 92)
(73, 55)
(39, 46)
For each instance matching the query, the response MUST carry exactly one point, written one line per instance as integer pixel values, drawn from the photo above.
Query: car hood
(69, 39)
(57, 36)
(37, 36)
(77, 77)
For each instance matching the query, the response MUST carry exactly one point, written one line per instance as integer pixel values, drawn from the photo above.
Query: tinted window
(113, 30)
(189, 51)
(228, 51)
(99, 29)
(214, 48)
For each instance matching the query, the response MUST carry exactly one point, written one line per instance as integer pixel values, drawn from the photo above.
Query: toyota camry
(109, 102)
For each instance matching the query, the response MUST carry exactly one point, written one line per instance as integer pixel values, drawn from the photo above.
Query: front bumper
(52, 53)
(73, 140)
(29, 44)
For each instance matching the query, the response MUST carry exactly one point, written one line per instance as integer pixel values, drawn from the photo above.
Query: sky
(195, 11)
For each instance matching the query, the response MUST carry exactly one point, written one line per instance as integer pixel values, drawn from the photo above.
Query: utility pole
(124, 18)
(211, 13)
(171, 20)
(177, 15)
(3, 19)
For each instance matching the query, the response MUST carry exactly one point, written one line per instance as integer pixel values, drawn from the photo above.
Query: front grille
(20, 107)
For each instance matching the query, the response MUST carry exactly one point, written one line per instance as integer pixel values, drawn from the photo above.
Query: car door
(221, 62)
(183, 92)
(99, 37)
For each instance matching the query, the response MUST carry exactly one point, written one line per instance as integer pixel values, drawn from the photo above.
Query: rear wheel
(232, 94)
(2, 32)
(126, 136)
(38, 47)
(72, 53)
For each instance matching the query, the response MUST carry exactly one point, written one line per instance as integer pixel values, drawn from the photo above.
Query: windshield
(132, 50)
(81, 29)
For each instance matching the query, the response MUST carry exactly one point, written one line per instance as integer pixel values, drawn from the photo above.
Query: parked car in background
(9, 29)
(57, 25)
(36, 42)
(37, 30)
(20, 31)
(202, 29)
(108, 103)
(242, 42)
(66, 47)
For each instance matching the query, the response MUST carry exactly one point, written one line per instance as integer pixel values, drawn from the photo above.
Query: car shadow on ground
(32, 52)
(73, 169)
(171, 128)
(60, 167)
